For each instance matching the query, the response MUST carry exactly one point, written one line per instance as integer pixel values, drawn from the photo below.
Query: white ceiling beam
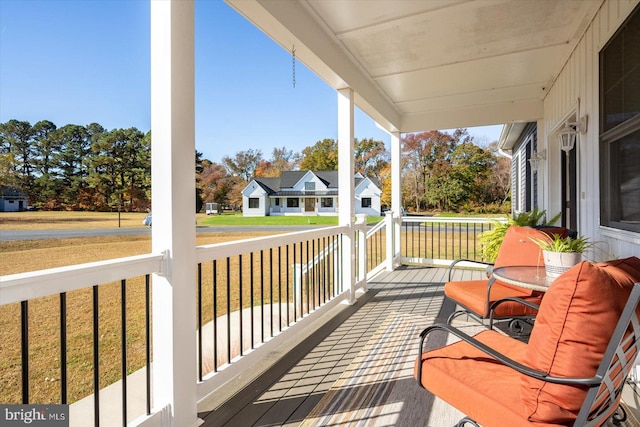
(524, 111)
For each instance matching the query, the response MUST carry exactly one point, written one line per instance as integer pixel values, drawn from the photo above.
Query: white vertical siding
(576, 89)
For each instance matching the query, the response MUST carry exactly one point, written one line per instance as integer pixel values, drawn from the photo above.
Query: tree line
(76, 167)
(90, 168)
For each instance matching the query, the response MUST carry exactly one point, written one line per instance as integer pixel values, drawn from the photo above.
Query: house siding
(577, 90)
(263, 202)
(12, 205)
(367, 189)
(523, 178)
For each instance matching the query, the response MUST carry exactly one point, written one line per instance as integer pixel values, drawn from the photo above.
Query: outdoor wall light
(535, 159)
(569, 133)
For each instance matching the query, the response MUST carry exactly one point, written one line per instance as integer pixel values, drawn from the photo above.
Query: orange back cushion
(572, 330)
(519, 248)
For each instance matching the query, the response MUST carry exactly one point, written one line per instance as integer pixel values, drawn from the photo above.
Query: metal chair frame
(491, 308)
(481, 317)
(605, 387)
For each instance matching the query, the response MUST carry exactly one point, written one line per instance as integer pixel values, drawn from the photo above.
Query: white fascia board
(482, 115)
(291, 24)
(510, 135)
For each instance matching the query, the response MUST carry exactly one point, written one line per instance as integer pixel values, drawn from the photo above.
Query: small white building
(12, 199)
(306, 193)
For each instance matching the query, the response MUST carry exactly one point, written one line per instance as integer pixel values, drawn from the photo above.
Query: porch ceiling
(431, 64)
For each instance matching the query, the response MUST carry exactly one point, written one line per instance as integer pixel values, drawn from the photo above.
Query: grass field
(44, 314)
(42, 220)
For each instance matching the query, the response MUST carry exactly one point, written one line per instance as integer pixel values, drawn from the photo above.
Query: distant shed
(12, 199)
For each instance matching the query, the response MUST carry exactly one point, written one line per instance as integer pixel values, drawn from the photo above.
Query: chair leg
(455, 314)
(619, 416)
(515, 327)
(466, 312)
(467, 420)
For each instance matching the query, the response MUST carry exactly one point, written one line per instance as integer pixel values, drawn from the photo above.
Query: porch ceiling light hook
(535, 159)
(569, 133)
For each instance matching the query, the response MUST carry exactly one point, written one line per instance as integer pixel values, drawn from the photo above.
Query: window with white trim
(620, 127)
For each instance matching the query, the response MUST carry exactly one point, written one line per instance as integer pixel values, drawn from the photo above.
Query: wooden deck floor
(292, 388)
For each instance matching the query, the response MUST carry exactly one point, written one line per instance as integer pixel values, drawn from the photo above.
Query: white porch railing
(249, 298)
(439, 241)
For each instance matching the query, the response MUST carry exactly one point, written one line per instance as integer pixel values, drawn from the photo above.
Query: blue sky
(72, 61)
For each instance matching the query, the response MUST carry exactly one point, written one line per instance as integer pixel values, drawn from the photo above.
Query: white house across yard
(306, 193)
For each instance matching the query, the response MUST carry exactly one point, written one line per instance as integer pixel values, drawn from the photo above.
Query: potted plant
(562, 253)
(491, 240)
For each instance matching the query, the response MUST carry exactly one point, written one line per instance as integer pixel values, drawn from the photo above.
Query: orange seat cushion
(572, 330)
(476, 384)
(472, 295)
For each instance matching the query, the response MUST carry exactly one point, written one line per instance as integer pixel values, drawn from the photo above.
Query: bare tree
(243, 164)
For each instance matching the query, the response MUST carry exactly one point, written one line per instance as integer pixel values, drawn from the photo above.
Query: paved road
(8, 235)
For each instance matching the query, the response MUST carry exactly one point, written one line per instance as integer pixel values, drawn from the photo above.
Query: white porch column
(173, 203)
(390, 240)
(396, 196)
(361, 260)
(346, 195)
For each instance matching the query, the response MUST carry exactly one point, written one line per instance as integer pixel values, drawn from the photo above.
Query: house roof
(8, 192)
(289, 178)
(286, 182)
(438, 64)
(270, 185)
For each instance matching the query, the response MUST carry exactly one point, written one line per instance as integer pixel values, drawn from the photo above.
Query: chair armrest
(453, 264)
(523, 369)
(513, 299)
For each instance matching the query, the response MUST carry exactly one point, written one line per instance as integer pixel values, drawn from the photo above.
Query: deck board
(320, 361)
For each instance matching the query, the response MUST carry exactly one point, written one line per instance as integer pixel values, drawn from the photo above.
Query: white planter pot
(556, 263)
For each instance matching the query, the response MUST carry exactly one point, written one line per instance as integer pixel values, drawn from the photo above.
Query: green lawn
(238, 219)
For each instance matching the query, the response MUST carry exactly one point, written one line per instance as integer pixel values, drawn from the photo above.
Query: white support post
(389, 225)
(396, 199)
(173, 201)
(346, 196)
(361, 230)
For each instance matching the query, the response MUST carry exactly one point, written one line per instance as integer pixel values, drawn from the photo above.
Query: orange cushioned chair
(477, 296)
(571, 372)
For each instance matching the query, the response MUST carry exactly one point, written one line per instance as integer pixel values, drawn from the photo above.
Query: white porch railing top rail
(36, 284)
(377, 227)
(228, 249)
(448, 220)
